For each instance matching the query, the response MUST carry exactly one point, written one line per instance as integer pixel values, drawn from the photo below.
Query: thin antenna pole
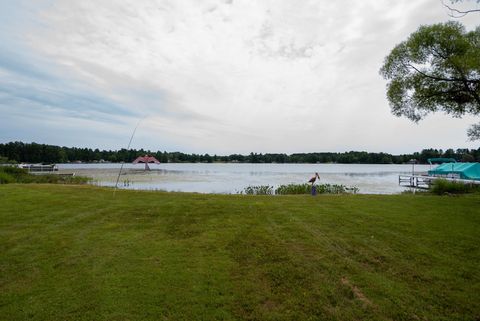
(128, 148)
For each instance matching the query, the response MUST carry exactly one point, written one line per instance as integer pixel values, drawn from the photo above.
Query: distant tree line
(41, 153)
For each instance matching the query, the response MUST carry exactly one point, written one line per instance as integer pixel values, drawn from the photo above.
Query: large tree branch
(463, 80)
(473, 81)
(440, 55)
(458, 13)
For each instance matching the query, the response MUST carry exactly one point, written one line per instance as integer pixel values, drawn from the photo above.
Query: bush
(6, 178)
(321, 189)
(414, 191)
(292, 189)
(442, 186)
(14, 171)
(11, 174)
(53, 179)
(258, 190)
(296, 189)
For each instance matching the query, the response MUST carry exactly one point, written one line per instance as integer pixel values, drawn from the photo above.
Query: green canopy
(441, 160)
(457, 170)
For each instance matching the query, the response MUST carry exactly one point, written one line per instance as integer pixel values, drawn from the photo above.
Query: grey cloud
(141, 95)
(258, 75)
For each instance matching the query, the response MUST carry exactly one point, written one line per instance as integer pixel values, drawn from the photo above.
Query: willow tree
(436, 69)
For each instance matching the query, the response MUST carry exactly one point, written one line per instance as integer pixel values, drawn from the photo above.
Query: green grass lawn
(79, 253)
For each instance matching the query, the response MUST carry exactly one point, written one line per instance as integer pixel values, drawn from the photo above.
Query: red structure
(146, 159)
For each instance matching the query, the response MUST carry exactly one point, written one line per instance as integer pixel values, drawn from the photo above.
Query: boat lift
(465, 173)
(425, 181)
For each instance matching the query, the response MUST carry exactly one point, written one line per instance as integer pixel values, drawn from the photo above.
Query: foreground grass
(78, 253)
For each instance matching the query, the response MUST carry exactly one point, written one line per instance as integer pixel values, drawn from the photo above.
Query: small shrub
(258, 190)
(13, 171)
(54, 179)
(413, 191)
(292, 189)
(442, 186)
(11, 174)
(333, 189)
(6, 178)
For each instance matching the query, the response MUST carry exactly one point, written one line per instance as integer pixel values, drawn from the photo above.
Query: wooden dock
(425, 181)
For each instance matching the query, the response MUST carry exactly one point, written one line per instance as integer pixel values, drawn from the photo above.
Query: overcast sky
(220, 76)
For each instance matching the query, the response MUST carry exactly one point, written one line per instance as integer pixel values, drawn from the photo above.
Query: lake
(232, 178)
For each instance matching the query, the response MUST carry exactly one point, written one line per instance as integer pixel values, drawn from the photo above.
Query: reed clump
(298, 189)
(292, 189)
(258, 190)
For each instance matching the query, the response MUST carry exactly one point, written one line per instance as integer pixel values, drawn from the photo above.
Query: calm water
(232, 178)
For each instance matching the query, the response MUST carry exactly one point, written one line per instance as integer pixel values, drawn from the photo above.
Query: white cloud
(240, 76)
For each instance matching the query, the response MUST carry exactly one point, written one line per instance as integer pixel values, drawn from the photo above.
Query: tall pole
(128, 148)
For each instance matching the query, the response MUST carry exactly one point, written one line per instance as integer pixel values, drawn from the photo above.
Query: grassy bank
(12, 174)
(78, 253)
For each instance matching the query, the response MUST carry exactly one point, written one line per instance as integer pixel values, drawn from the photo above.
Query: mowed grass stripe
(81, 253)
